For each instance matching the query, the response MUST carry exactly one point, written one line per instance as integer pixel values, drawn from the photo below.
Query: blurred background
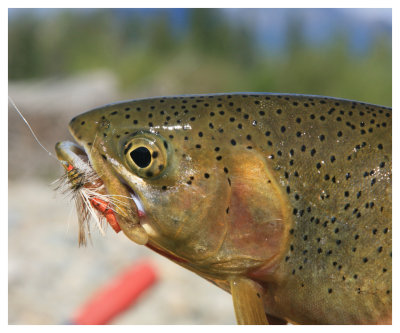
(62, 62)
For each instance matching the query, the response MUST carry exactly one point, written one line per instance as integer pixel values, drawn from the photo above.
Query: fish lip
(70, 153)
(128, 217)
(87, 151)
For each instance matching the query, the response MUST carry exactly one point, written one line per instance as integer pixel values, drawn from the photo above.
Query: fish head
(185, 191)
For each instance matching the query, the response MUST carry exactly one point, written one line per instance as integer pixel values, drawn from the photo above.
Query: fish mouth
(121, 207)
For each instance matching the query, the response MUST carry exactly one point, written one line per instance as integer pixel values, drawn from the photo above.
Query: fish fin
(249, 308)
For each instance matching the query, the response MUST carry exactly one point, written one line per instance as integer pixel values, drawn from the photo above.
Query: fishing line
(29, 126)
(85, 194)
(79, 195)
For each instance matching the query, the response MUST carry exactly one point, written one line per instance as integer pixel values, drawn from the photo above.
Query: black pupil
(141, 156)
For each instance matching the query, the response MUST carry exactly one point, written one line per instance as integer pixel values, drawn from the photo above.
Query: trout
(282, 200)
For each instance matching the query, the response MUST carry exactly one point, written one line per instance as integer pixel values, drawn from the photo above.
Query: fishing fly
(81, 183)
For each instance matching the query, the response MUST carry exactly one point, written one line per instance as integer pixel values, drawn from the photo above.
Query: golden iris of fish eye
(158, 156)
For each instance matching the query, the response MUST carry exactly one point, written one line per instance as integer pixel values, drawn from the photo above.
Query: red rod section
(118, 295)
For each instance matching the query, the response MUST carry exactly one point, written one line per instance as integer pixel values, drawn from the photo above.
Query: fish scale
(292, 192)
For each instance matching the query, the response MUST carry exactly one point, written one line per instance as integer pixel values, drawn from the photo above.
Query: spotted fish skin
(311, 174)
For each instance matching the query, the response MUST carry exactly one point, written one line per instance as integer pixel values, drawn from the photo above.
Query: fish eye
(146, 155)
(141, 156)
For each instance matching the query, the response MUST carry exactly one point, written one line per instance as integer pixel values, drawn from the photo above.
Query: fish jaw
(126, 211)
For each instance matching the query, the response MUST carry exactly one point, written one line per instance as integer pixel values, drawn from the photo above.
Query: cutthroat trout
(282, 200)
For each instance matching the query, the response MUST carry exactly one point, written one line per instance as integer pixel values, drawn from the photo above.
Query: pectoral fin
(249, 308)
